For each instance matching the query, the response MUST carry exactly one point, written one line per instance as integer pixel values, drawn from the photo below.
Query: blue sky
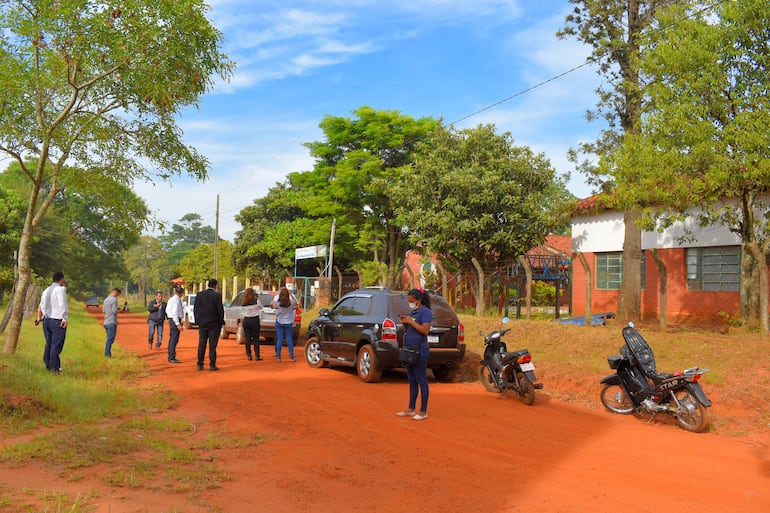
(299, 61)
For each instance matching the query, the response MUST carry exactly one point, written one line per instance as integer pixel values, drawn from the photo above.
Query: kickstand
(655, 414)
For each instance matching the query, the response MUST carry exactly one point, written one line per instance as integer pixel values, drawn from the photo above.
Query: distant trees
(473, 197)
(357, 166)
(394, 183)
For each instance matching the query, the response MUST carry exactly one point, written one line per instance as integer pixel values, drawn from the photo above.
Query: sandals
(406, 413)
(420, 416)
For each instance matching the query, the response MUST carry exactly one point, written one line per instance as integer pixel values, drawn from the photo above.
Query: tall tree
(476, 198)
(147, 264)
(356, 167)
(100, 86)
(185, 236)
(704, 140)
(613, 28)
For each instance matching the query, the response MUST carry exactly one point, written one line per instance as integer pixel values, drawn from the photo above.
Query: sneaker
(406, 413)
(420, 416)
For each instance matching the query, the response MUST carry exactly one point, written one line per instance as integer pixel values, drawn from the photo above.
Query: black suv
(363, 330)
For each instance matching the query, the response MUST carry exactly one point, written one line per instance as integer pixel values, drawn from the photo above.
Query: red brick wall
(683, 305)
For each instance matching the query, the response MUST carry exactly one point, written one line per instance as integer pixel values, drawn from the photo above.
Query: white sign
(309, 252)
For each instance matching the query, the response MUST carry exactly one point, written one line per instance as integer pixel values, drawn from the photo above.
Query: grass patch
(90, 389)
(95, 415)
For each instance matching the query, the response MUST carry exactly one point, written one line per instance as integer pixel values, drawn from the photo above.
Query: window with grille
(609, 270)
(716, 268)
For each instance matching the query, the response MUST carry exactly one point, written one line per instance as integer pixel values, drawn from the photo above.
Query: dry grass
(570, 361)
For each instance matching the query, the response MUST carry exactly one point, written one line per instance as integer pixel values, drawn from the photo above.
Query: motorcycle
(500, 370)
(637, 387)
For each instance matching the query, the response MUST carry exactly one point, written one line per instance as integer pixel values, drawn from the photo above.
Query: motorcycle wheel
(485, 377)
(526, 389)
(690, 414)
(614, 398)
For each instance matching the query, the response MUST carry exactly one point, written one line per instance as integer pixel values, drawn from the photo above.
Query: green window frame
(715, 269)
(609, 270)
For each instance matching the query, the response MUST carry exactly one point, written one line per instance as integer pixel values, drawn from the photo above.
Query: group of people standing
(210, 317)
(208, 311)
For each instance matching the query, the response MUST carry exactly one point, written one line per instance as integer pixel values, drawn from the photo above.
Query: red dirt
(334, 445)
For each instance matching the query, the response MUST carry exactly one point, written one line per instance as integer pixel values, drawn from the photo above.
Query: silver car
(234, 318)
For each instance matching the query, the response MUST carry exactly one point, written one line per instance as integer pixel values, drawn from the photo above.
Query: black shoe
(174, 360)
(258, 358)
(248, 356)
(200, 366)
(213, 368)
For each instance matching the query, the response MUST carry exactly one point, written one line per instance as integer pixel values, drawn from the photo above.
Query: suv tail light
(298, 316)
(389, 330)
(461, 334)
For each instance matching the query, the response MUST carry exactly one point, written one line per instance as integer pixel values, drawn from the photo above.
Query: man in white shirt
(175, 314)
(53, 307)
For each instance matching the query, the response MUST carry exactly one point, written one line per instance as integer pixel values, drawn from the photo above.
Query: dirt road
(333, 444)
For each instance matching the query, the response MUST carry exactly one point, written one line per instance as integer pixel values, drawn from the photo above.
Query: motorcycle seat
(513, 355)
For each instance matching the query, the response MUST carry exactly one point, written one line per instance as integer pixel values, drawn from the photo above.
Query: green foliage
(474, 194)
(186, 236)
(99, 86)
(356, 167)
(148, 265)
(84, 230)
(703, 141)
(198, 265)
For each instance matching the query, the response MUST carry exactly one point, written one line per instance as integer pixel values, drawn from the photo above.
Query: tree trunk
(528, 274)
(759, 257)
(663, 289)
(444, 284)
(587, 269)
(480, 296)
(629, 303)
(23, 279)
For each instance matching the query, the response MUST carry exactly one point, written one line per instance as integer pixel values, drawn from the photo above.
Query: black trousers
(173, 339)
(210, 336)
(251, 335)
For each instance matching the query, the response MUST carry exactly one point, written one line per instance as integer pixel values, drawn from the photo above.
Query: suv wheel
(313, 353)
(366, 365)
(447, 374)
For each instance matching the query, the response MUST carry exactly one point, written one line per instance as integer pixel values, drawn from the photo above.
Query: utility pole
(331, 259)
(216, 243)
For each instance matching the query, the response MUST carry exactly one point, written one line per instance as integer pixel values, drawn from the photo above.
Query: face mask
(412, 306)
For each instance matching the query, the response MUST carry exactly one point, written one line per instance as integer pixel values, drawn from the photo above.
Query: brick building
(702, 265)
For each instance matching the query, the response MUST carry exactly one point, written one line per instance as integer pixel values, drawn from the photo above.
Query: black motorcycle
(500, 370)
(637, 387)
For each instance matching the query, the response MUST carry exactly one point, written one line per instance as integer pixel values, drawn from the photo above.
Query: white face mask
(412, 306)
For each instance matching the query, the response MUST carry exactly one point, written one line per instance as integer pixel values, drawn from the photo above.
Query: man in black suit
(210, 316)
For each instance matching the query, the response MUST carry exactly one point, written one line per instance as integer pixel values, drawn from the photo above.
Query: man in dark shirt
(210, 316)
(157, 309)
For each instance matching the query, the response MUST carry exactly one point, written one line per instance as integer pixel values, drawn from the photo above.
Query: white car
(189, 315)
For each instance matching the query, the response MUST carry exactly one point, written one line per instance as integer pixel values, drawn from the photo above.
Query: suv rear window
(442, 313)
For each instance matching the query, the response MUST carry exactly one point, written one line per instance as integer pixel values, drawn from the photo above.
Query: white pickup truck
(189, 315)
